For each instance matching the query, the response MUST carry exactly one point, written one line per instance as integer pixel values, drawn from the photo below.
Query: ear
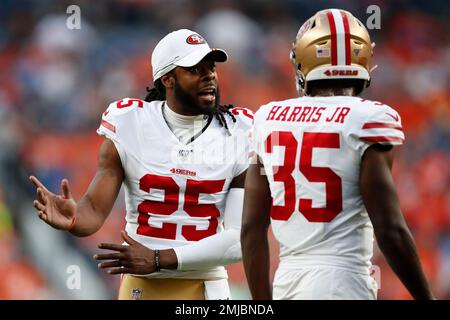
(168, 80)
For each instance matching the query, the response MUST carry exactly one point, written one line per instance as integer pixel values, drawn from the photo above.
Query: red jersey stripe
(374, 125)
(382, 139)
(108, 126)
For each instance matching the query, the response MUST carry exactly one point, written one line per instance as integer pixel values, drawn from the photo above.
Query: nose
(209, 74)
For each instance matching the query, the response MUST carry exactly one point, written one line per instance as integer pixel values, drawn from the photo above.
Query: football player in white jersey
(182, 158)
(322, 176)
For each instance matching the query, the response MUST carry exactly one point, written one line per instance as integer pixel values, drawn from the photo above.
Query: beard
(191, 102)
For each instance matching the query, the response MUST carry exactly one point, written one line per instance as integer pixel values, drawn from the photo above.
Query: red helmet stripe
(333, 38)
(347, 39)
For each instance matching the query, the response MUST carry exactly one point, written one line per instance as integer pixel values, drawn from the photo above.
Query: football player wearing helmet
(322, 176)
(182, 158)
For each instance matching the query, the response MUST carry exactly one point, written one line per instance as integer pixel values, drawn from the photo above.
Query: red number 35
(333, 183)
(170, 205)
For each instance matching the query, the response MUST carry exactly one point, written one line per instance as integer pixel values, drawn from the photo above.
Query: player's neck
(328, 92)
(175, 107)
(180, 120)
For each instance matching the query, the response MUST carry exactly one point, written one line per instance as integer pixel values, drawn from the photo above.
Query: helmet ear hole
(359, 23)
(292, 56)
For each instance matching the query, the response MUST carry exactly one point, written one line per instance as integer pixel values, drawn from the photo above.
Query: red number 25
(170, 205)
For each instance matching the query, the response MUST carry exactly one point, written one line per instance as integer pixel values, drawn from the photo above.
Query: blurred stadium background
(56, 82)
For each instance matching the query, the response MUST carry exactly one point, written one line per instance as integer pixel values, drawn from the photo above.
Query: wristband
(157, 266)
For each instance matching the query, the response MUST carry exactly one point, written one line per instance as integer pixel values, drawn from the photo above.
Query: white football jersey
(311, 148)
(175, 193)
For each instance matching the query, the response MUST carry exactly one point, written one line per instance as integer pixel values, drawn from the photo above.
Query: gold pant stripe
(140, 288)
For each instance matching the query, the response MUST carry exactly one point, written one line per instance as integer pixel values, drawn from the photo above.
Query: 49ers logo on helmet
(341, 73)
(305, 27)
(195, 39)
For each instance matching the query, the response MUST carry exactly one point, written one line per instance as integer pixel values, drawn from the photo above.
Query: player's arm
(255, 224)
(86, 216)
(391, 231)
(96, 204)
(222, 248)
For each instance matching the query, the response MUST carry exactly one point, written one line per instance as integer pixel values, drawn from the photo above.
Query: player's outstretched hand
(59, 211)
(133, 258)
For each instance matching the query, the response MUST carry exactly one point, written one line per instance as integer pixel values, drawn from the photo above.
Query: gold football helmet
(332, 44)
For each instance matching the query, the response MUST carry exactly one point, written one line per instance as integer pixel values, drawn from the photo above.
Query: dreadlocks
(158, 92)
(220, 113)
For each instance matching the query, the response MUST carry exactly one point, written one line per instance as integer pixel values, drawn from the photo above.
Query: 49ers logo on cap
(195, 39)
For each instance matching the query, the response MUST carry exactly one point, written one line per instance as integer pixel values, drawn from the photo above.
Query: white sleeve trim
(220, 249)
